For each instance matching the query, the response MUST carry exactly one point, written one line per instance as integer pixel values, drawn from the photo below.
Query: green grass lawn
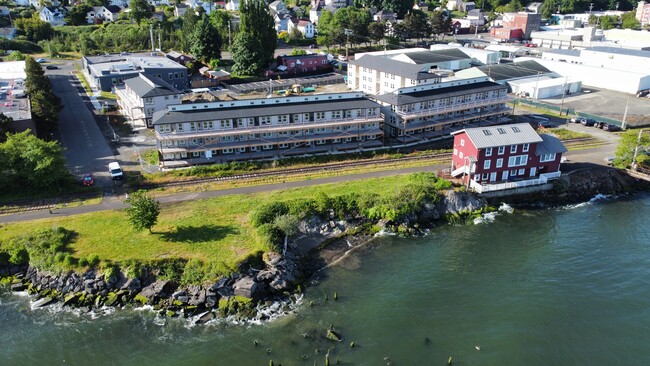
(214, 231)
(564, 134)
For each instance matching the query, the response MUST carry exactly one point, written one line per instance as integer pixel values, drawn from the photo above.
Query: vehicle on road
(609, 160)
(115, 170)
(587, 122)
(88, 180)
(41, 60)
(51, 67)
(576, 119)
(611, 127)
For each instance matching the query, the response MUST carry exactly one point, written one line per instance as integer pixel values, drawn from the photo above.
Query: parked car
(41, 60)
(51, 67)
(88, 180)
(576, 119)
(115, 170)
(587, 122)
(609, 160)
(611, 127)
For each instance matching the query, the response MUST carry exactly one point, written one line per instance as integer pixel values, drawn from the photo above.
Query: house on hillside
(302, 65)
(384, 16)
(304, 26)
(52, 15)
(232, 5)
(505, 157)
(100, 14)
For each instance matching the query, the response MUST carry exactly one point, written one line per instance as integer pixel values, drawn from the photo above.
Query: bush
(69, 260)
(111, 271)
(301, 207)
(193, 273)
(271, 235)
(171, 270)
(267, 212)
(83, 262)
(93, 260)
(4, 258)
(19, 256)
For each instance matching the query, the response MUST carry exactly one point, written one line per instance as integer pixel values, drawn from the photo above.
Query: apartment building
(422, 113)
(142, 95)
(269, 128)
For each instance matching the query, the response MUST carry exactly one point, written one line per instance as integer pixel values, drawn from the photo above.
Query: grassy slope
(214, 230)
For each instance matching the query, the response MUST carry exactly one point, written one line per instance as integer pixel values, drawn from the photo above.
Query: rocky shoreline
(274, 280)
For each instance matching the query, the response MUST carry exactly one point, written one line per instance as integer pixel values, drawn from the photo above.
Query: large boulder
(462, 201)
(155, 291)
(248, 288)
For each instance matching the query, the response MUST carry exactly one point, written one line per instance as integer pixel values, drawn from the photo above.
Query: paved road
(86, 149)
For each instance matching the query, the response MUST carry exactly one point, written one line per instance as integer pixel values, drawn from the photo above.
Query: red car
(88, 180)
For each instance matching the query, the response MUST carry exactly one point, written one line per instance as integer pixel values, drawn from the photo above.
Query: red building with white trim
(505, 157)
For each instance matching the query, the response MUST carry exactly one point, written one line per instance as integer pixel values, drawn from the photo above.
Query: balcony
(449, 120)
(450, 108)
(542, 179)
(269, 128)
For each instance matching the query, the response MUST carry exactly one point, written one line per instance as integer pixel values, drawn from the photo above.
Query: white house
(22, 2)
(52, 15)
(278, 7)
(121, 3)
(281, 22)
(233, 5)
(303, 25)
(107, 13)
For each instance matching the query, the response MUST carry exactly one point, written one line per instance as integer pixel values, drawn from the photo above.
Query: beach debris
(450, 361)
(478, 348)
(331, 334)
(352, 344)
(335, 296)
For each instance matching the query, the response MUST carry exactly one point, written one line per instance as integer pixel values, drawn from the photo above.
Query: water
(566, 286)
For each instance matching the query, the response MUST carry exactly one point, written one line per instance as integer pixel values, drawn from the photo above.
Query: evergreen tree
(247, 54)
(206, 42)
(140, 9)
(5, 127)
(256, 29)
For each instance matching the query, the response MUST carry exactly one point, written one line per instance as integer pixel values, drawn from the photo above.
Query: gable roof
(504, 135)
(113, 8)
(388, 65)
(550, 145)
(146, 86)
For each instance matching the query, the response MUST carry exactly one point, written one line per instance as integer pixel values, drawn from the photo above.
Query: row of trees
(355, 26)
(626, 21)
(45, 104)
(254, 46)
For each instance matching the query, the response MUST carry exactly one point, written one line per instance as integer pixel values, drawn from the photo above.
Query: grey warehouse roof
(513, 70)
(395, 67)
(574, 52)
(150, 86)
(165, 117)
(550, 145)
(424, 95)
(430, 57)
(504, 135)
(620, 51)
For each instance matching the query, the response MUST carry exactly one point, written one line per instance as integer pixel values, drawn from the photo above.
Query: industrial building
(13, 101)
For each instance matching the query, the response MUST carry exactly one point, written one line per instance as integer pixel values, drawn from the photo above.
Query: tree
(440, 24)
(45, 104)
(5, 127)
(630, 21)
(258, 25)
(298, 52)
(221, 20)
(630, 141)
(608, 22)
(34, 28)
(206, 42)
(416, 25)
(140, 9)
(247, 54)
(16, 56)
(29, 163)
(548, 8)
(77, 15)
(376, 31)
(144, 210)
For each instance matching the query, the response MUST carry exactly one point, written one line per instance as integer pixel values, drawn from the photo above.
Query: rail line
(293, 171)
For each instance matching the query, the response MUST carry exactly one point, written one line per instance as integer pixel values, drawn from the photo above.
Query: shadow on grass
(198, 234)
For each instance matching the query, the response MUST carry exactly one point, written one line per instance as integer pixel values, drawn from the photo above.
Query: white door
(533, 171)
(493, 177)
(504, 175)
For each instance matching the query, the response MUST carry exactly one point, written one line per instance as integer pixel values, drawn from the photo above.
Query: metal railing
(543, 179)
(451, 108)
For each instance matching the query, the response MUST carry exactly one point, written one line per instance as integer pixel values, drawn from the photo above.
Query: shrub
(271, 235)
(111, 272)
(171, 270)
(267, 212)
(93, 260)
(83, 262)
(19, 256)
(193, 273)
(301, 207)
(4, 258)
(69, 260)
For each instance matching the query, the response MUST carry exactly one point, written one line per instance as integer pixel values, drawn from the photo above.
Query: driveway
(86, 148)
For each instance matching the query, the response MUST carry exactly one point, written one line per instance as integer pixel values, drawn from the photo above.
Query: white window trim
(487, 164)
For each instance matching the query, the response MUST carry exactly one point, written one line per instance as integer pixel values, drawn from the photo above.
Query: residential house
(38, 4)
(476, 17)
(281, 22)
(100, 14)
(517, 26)
(314, 14)
(460, 5)
(158, 15)
(422, 6)
(22, 2)
(4, 10)
(142, 95)
(232, 5)
(8, 33)
(643, 13)
(266, 128)
(505, 157)
(337, 4)
(303, 25)
(179, 57)
(52, 15)
(158, 3)
(179, 10)
(384, 16)
(278, 7)
(121, 3)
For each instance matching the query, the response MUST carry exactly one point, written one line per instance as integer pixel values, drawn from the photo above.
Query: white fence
(543, 179)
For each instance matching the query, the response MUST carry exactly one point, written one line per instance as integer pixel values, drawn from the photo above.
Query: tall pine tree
(256, 35)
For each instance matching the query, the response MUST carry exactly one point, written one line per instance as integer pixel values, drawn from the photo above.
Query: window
(227, 151)
(499, 163)
(485, 176)
(225, 124)
(175, 75)
(547, 158)
(241, 149)
(196, 154)
(486, 133)
(525, 147)
(171, 76)
(320, 115)
(455, 151)
(460, 154)
(516, 129)
(477, 177)
(513, 149)
(488, 151)
(521, 172)
(519, 160)
(320, 142)
(165, 128)
(501, 131)
(462, 142)
(181, 142)
(284, 146)
(265, 121)
(502, 149)
(267, 147)
(283, 119)
(486, 164)
(208, 125)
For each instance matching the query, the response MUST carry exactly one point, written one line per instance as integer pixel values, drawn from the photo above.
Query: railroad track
(294, 171)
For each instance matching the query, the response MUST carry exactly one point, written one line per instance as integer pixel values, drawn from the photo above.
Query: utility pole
(229, 39)
(159, 39)
(566, 80)
(347, 32)
(625, 113)
(591, 6)
(153, 45)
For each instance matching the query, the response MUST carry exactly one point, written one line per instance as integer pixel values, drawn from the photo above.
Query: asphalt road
(86, 148)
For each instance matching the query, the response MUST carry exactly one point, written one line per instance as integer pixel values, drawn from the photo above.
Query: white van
(115, 170)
